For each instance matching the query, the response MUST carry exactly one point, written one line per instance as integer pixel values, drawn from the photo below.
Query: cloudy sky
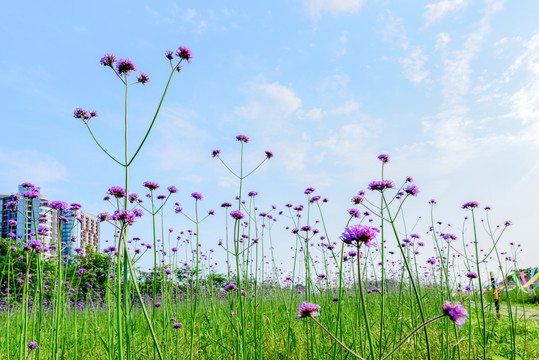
(449, 89)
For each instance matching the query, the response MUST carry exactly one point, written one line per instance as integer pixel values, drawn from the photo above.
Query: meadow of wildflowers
(362, 293)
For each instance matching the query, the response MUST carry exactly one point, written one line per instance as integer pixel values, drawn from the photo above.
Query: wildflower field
(362, 293)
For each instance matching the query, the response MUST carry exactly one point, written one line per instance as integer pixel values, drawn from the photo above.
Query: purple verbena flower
(58, 205)
(359, 198)
(472, 275)
(456, 312)
(470, 205)
(184, 53)
(231, 287)
(306, 310)
(242, 138)
(269, 154)
(79, 113)
(237, 214)
(354, 213)
(117, 191)
(381, 185)
(197, 195)
(103, 217)
(11, 205)
(383, 158)
(449, 237)
(108, 60)
(215, 153)
(411, 190)
(125, 66)
(359, 234)
(150, 185)
(143, 78)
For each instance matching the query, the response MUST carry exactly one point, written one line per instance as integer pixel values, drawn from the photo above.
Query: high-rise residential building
(32, 213)
(81, 230)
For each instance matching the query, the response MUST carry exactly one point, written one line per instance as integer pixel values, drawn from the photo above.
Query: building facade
(34, 214)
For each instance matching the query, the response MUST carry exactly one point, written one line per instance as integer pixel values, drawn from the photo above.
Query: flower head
(58, 205)
(381, 185)
(125, 66)
(215, 153)
(472, 275)
(231, 287)
(32, 345)
(184, 53)
(359, 234)
(84, 115)
(108, 60)
(306, 310)
(384, 158)
(359, 198)
(150, 185)
(169, 55)
(103, 217)
(177, 325)
(470, 205)
(117, 191)
(197, 195)
(449, 237)
(411, 190)
(143, 78)
(269, 154)
(236, 214)
(242, 138)
(354, 213)
(456, 312)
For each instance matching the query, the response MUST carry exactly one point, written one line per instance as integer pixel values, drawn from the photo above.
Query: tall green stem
(363, 306)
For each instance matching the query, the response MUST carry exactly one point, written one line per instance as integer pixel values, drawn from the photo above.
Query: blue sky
(449, 89)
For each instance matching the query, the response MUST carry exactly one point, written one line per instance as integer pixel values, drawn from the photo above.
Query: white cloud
(181, 144)
(343, 40)
(270, 105)
(314, 114)
(316, 7)
(307, 142)
(413, 66)
(414, 59)
(348, 108)
(442, 40)
(190, 14)
(29, 165)
(453, 134)
(525, 101)
(435, 11)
